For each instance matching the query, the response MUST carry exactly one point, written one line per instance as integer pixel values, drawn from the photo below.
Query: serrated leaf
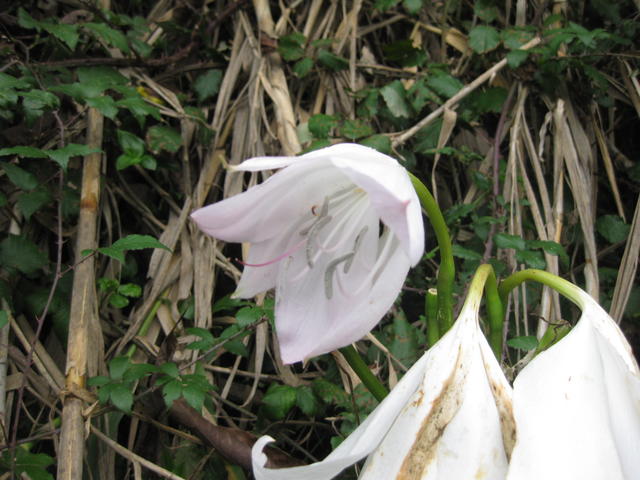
(27, 21)
(302, 67)
(17, 251)
(291, 47)
(404, 53)
(331, 61)
(514, 38)
(208, 84)
(31, 202)
(104, 77)
(279, 400)
(194, 396)
(171, 391)
(163, 138)
(105, 104)
(98, 381)
(381, 143)
(483, 38)
(131, 242)
(354, 129)
(138, 370)
(486, 10)
(394, 96)
(404, 340)
(170, 369)
(19, 177)
(612, 228)
(39, 100)
(62, 155)
(444, 84)
(306, 400)
(384, 5)
(207, 339)
(79, 91)
(489, 100)
(109, 35)
(465, 253)
(23, 151)
(515, 58)
(8, 81)
(117, 367)
(527, 343)
(122, 397)
(320, 125)
(125, 160)
(68, 34)
(505, 240)
(139, 108)
(131, 144)
(248, 315)
(412, 6)
(531, 258)
(552, 248)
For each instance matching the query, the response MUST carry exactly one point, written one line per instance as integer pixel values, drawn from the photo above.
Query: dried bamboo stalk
(85, 337)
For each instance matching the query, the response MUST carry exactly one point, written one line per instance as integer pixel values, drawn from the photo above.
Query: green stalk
(370, 381)
(561, 285)
(495, 312)
(144, 328)
(431, 308)
(446, 273)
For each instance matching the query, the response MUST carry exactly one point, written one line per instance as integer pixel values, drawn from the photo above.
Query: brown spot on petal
(445, 406)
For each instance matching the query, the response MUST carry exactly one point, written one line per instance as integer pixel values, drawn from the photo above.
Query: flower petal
(357, 446)
(577, 407)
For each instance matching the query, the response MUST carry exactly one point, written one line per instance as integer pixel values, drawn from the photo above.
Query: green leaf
(394, 96)
(382, 143)
(126, 160)
(514, 38)
(208, 84)
(105, 104)
(490, 99)
(62, 155)
(531, 258)
(22, 254)
(515, 58)
(552, 248)
(354, 129)
(207, 340)
(505, 240)
(19, 177)
(23, 151)
(39, 100)
(279, 400)
(291, 47)
(194, 396)
(464, 253)
(170, 369)
(384, 5)
(122, 397)
(171, 391)
(248, 315)
(306, 400)
(118, 301)
(329, 393)
(98, 381)
(139, 107)
(528, 342)
(110, 36)
(404, 53)
(131, 144)
(163, 138)
(320, 125)
(131, 242)
(302, 67)
(148, 162)
(104, 77)
(136, 371)
(486, 10)
(444, 84)
(8, 81)
(4, 318)
(68, 34)
(412, 6)
(404, 342)
(130, 290)
(483, 38)
(117, 367)
(612, 228)
(31, 202)
(332, 61)
(79, 91)
(27, 21)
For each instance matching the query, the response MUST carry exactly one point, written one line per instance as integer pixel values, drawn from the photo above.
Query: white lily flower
(577, 405)
(449, 417)
(316, 236)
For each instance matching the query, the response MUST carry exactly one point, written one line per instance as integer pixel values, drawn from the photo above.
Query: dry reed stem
(84, 347)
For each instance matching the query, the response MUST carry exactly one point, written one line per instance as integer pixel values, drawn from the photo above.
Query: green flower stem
(431, 307)
(146, 324)
(370, 381)
(446, 273)
(495, 312)
(561, 285)
(485, 279)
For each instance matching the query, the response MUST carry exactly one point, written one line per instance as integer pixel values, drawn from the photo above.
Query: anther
(331, 268)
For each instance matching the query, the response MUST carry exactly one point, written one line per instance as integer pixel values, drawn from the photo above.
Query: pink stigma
(289, 252)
